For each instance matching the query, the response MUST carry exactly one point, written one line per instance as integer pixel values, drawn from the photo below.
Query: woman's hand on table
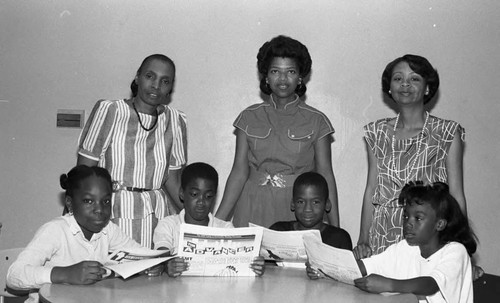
(258, 266)
(362, 250)
(85, 272)
(176, 266)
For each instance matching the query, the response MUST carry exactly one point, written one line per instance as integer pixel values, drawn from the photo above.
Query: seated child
(199, 182)
(432, 261)
(309, 202)
(72, 248)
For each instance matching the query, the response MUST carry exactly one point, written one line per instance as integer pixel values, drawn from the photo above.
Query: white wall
(67, 54)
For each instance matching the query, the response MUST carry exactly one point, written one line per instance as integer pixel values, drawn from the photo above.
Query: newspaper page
(285, 246)
(127, 263)
(213, 251)
(334, 263)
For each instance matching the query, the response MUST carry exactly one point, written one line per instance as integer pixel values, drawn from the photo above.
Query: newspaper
(334, 263)
(285, 246)
(213, 251)
(127, 263)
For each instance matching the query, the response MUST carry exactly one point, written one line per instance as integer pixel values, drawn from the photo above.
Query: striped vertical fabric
(136, 157)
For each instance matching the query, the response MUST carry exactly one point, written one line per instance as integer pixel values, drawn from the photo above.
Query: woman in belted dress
(277, 140)
(142, 143)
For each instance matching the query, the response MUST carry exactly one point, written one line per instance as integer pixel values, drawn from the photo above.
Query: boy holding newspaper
(199, 182)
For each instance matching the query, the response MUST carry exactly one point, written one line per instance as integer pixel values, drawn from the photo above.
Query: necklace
(140, 121)
(420, 138)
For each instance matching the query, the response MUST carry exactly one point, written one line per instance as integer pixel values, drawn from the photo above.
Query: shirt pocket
(257, 136)
(299, 139)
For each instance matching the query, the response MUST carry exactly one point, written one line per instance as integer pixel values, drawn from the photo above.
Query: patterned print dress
(430, 166)
(138, 159)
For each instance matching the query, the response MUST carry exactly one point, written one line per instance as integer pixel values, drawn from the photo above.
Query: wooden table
(278, 284)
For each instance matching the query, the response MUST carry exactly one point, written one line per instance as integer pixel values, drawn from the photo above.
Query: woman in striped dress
(142, 142)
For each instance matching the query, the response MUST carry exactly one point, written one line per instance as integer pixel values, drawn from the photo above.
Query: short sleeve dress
(394, 170)
(138, 161)
(281, 147)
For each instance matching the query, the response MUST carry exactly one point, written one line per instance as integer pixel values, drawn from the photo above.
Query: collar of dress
(75, 228)
(288, 107)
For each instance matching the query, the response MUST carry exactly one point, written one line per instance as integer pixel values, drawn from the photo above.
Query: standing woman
(412, 146)
(277, 140)
(142, 143)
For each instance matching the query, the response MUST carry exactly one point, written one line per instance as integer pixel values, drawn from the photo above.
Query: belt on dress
(274, 180)
(118, 185)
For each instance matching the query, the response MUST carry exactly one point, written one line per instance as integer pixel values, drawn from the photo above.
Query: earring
(389, 92)
(426, 92)
(267, 84)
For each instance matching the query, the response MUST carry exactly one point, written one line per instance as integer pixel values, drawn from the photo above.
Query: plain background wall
(67, 54)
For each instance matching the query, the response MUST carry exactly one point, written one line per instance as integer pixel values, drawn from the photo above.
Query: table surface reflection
(278, 284)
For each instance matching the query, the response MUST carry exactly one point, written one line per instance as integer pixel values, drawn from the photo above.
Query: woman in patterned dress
(142, 142)
(277, 140)
(412, 146)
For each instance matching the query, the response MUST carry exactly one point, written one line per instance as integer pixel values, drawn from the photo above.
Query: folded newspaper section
(335, 263)
(128, 263)
(285, 246)
(213, 251)
(121, 256)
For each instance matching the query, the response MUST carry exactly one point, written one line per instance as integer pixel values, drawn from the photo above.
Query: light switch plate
(73, 118)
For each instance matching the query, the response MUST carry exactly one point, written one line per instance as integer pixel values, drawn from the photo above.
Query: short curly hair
(418, 64)
(311, 179)
(283, 47)
(199, 170)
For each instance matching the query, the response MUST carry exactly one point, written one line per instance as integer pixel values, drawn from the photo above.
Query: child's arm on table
(29, 270)
(421, 286)
(85, 272)
(258, 266)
